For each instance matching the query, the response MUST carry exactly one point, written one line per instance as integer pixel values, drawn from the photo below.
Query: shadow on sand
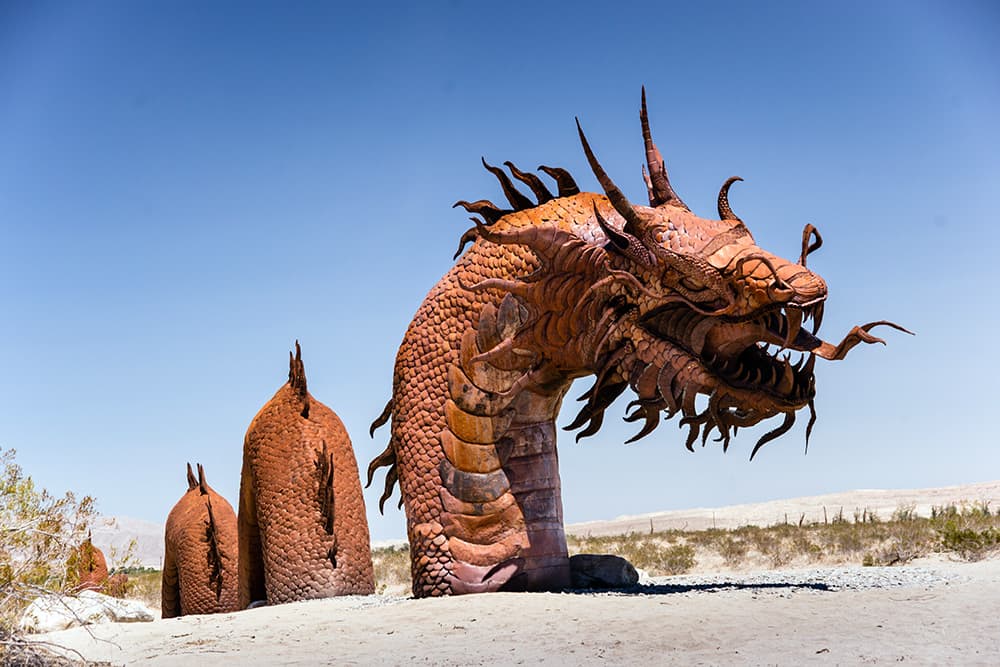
(712, 587)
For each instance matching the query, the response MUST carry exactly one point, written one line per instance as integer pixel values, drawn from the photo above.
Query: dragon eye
(692, 284)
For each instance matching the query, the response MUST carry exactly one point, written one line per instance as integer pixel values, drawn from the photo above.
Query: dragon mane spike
(297, 378)
(483, 207)
(386, 458)
(541, 192)
(516, 199)
(470, 235)
(381, 419)
(391, 477)
(725, 212)
(782, 429)
(660, 190)
(812, 421)
(633, 223)
(567, 186)
(297, 370)
(652, 416)
(202, 482)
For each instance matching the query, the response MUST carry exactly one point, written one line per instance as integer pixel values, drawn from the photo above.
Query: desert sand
(947, 612)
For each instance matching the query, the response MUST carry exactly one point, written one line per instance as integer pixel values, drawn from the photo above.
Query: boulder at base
(601, 571)
(51, 613)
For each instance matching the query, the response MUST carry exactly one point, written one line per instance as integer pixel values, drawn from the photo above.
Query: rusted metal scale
(651, 298)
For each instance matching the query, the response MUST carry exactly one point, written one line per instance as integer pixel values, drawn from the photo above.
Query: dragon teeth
(787, 381)
(817, 317)
(810, 364)
(794, 318)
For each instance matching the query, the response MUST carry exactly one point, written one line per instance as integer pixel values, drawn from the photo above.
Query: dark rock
(601, 571)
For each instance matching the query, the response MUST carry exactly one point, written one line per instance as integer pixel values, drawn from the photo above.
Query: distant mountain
(808, 509)
(113, 534)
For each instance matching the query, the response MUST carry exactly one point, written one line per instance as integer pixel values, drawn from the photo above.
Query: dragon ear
(660, 190)
(624, 243)
(192, 482)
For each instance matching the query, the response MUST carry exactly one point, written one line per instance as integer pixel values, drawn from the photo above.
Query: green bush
(38, 534)
(969, 543)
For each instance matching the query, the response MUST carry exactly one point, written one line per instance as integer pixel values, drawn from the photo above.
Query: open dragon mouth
(752, 353)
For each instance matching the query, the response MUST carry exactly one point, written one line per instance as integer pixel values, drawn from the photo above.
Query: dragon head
(693, 306)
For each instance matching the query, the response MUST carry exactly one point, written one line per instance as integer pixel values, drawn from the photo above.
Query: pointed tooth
(817, 317)
(798, 366)
(794, 317)
(810, 365)
(787, 379)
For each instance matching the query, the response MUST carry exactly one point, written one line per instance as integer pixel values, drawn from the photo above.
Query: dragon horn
(725, 212)
(633, 223)
(661, 191)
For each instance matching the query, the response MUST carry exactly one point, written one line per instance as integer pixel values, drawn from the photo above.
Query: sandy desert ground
(933, 611)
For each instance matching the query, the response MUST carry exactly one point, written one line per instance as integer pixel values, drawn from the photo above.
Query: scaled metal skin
(652, 298)
(200, 574)
(303, 533)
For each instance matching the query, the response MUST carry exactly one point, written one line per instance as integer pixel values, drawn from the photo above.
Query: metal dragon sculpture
(652, 298)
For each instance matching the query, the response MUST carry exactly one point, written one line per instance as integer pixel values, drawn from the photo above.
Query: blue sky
(186, 188)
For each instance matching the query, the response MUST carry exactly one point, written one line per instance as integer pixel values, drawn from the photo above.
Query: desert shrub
(657, 557)
(969, 543)
(733, 551)
(144, 584)
(38, 533)
(392, 567)
(677, 559)
(803, 546)
(905, 513)
(906, 538)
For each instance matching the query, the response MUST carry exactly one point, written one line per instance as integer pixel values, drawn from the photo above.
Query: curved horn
(633, 224)
(725, 212)
(807, 248)
(661, 191)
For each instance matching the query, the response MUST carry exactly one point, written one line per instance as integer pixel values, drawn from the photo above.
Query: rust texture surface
(648, 298)
(303, 532)
(199, 563)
